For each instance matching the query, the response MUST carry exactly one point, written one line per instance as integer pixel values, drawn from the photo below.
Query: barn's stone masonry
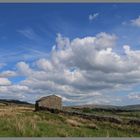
(50, 102)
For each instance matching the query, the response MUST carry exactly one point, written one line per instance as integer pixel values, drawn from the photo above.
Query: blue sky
(28, 33)
(46, 20)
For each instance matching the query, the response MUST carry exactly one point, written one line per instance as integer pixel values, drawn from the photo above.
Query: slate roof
(46, 97)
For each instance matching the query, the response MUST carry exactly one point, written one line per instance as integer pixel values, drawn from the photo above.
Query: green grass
(24, 122)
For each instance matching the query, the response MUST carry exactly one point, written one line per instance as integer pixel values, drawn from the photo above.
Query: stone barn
(49, 102)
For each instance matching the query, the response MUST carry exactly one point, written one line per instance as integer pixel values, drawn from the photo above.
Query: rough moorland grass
(24, 122)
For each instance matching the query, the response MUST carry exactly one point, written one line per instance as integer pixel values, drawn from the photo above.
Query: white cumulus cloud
(93, 16)
(4, 82)
(7, 74)
(81, 71)
(136, 22)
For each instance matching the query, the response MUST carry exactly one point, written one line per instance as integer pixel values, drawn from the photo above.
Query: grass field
(20, 121)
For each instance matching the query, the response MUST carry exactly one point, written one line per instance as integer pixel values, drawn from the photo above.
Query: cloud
(62, 43)
(44, 64)
(4, 82)
(134, 95)
(28, 33)
(83, 70)
(24, 68)
(136, 22)
(7, 74)
(18, 92)
(93, 16)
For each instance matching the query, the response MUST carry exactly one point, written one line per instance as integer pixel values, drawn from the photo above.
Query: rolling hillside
(19, 119)
(107, 107)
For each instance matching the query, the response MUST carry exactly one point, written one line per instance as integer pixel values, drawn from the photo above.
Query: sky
(85, 53)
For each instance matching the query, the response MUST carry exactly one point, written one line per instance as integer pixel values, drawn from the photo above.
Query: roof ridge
(45, 97)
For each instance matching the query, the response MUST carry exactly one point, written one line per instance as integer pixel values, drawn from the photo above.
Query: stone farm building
(49, 102)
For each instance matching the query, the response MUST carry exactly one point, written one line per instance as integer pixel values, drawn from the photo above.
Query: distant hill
(132, 107)
(13, 102)
(107, 107)
(90, 106)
